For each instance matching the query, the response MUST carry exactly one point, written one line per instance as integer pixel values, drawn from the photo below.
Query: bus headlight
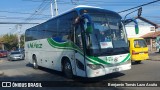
(95, 66)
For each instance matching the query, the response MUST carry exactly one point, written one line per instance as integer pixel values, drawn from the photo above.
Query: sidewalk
(154, 55)
(1, 72)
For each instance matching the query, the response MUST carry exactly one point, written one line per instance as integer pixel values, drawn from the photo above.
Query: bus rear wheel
(67, 69)
(35, 65)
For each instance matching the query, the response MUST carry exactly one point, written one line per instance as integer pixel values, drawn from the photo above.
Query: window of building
(152, 29)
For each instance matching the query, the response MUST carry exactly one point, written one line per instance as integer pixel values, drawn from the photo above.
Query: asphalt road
(148, 70)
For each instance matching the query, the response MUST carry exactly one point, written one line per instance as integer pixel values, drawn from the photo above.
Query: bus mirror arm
(127, 21)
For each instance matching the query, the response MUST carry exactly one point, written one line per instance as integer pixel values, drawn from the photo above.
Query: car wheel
(137, 62)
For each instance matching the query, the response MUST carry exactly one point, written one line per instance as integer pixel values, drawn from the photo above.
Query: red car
(3, 53)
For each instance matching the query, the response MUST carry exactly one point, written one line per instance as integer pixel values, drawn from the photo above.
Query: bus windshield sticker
(106, 45)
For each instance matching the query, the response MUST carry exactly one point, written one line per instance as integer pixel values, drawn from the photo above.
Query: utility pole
(19, 36)
(56, 7)
(51, 8)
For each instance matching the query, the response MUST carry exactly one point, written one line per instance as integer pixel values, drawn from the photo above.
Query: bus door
(79, 53)
(81, 39)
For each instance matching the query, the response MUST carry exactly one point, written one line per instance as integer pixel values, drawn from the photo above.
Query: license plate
(141, 53)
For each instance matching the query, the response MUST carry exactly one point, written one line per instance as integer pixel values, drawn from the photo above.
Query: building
(147, 30)
(151, 39)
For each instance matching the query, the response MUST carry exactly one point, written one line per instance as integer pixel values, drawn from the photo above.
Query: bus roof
(81, 7)
(85, 6)
(77, 8)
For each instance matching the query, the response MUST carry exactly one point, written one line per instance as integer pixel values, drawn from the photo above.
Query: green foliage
(11, 41)
(22, 41)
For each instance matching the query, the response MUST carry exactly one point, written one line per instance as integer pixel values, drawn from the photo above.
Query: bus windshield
(108, 35)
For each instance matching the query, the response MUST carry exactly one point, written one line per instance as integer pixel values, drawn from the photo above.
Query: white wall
(144, 28)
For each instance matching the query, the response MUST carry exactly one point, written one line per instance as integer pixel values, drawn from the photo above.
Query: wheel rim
(68, 70)
(34, 63)
(67, 66)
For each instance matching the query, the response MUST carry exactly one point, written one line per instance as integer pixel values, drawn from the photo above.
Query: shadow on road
(108, 77)
(135, 63)
(56, 79)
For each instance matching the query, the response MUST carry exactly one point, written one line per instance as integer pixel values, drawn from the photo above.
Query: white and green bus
(85, 41)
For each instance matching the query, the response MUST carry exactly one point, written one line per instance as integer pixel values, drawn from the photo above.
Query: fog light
(95, 66)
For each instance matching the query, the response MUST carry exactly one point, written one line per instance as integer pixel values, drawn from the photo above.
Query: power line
(139, 6)
(23, 18)
(95, 2)
(38, 11)
(20, 12)
(17, 23)
(35, 0)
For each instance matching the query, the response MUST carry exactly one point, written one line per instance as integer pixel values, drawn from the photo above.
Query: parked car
(15, 55)
(3, 53)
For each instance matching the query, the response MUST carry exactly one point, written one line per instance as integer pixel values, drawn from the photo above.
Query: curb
(154, 60)
(151, 59)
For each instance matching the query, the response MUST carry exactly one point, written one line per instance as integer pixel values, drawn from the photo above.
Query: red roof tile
(151, 34)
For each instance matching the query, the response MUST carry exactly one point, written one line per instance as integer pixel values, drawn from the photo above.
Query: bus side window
(78, 37)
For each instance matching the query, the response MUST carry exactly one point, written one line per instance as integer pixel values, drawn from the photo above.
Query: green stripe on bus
(98, 59)
(69, 46)
(127, 58)
(66, 45)
(92, 61)
(72, 46)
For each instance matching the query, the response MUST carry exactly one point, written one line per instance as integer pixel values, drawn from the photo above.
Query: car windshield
(139, 43)
(15, 53)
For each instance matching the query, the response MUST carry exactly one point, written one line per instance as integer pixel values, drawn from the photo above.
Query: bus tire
(35, 65)
(67, 69)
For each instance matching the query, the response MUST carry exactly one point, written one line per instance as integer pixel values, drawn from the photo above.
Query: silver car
(15, 55)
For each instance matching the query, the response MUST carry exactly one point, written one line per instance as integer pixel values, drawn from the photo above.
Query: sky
(38, 11)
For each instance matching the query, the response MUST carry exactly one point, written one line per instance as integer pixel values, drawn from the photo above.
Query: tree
(22, 41)
(10, 41)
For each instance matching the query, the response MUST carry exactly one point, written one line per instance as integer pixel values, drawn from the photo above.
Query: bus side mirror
(136, 27)
(87, 20)
(89, 28)
(135, 22)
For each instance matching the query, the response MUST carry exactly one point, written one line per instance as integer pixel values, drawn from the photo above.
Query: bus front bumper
(107, 70)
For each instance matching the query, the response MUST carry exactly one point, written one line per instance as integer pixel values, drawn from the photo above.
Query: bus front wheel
(67, 69)
(35, 65)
